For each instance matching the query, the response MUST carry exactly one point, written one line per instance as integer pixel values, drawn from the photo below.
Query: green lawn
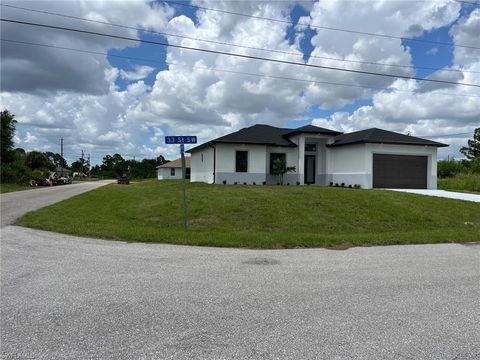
(260, 216)
(461, 182)
(4, 188)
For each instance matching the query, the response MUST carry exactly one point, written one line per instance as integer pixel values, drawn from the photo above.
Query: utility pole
(88, 164)
(61, 154)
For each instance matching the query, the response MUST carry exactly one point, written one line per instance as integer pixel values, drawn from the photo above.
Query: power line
(445, 135)
(237, 55)
(231, 44)
(228, 71)
(322, 27)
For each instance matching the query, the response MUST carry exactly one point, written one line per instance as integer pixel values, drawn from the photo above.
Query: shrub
(235, 183)
(288, 183)
(224, 182)
(15, 172)
(264, 183)
(350, 186)
(449, 168)
(253, 183)
(298, 182)
(331, 183)
(244, 183)
(336, 184)
(342, 184)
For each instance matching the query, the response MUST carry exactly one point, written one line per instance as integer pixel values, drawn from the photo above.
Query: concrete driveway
(442, 193)
(67, 297)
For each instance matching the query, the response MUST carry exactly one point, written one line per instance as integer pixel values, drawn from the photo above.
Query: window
(241, 161)
(311, 147)
(275, 157)
(172, 172)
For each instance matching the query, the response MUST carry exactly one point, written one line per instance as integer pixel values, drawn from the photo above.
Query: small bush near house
(264, 183)
(298, 182)
(224, 182)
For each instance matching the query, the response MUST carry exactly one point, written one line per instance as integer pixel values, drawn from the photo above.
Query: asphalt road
(65, 297)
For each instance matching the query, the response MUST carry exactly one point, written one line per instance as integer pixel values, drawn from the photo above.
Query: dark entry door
(309, 169)
(399, 171)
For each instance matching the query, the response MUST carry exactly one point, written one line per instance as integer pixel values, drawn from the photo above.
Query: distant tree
(80, 166)
(450, 168)
(20, 154)
(144, 169)
(472, 151)
(7, 132)
(56, 159)
(160, 161)
(280, 168)
(37, 160)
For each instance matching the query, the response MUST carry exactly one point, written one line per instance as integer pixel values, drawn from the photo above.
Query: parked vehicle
(64, 180)
(123, 180)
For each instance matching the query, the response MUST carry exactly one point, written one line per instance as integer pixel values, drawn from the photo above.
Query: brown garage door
(399, 171)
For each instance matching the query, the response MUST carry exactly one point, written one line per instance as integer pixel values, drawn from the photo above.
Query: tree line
(469, 165)
(19, 166)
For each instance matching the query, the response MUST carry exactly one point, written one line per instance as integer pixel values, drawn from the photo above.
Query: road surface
(66, 297)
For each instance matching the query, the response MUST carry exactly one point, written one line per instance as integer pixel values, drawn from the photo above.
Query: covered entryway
(400, 171)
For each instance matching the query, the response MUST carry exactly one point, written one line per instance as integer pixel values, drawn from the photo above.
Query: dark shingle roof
(311, 129)
(381, 136)
(258, 134)
(266, 135)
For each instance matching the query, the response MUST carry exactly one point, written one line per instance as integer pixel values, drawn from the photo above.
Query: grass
(461, 182)
(260, 216)
(5, 188)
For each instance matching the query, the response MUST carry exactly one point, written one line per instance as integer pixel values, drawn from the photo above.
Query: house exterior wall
(225, 163)
(353, 164)
(202, 165)
(291, 155)
(164, 173)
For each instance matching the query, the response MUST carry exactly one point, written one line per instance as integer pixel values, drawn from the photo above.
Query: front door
(309, 169)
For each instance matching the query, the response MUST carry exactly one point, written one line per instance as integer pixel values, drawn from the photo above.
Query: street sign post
(182, 140)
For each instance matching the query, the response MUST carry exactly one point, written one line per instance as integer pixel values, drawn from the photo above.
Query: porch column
(301, 159)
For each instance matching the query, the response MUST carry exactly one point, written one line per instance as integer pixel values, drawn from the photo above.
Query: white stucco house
(372, 158)
(173, 169)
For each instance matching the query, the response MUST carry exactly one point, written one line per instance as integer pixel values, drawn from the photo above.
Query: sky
(106, 95)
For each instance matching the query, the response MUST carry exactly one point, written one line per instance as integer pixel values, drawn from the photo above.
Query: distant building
(173, 169)
(59, 171)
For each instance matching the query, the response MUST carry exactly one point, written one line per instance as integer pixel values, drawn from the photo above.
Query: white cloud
(74, 96)
(139, 73)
